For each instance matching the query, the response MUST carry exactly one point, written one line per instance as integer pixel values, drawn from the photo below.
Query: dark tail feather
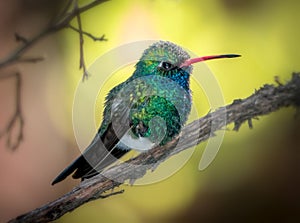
(79, 162)
(100, 153)
(84, 170)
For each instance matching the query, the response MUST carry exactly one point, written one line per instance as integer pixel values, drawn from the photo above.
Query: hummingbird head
(164, 58)
(167, 59)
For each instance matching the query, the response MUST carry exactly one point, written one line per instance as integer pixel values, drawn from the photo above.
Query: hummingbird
(146, 110)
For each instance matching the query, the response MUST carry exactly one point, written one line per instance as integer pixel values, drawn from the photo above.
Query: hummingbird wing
(103, 150)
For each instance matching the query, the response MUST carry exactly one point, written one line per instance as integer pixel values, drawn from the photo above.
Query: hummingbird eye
(166, 66)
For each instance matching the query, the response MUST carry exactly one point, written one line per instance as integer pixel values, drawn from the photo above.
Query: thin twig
(60, 24)
(17, 54)
(264, 101)
(30, 59)
(101, 38)
(61, 21)
(20, 38)
(81, 42)
(17, 118)
(63, 12)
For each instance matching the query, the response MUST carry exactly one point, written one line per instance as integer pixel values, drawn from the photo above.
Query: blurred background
(255, 176)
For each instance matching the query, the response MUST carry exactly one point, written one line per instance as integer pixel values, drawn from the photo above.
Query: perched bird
(146, 110)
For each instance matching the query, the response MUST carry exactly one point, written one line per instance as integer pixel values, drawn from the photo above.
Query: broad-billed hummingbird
(146, 110)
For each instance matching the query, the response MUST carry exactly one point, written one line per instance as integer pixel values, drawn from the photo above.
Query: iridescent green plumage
(155, 92)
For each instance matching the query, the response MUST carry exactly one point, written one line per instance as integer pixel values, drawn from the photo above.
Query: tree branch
(61, 21)
(267, 99)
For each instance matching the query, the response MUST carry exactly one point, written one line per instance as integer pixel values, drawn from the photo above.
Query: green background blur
(255, 176)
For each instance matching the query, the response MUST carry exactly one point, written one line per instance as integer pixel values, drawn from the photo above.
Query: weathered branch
(267, 99)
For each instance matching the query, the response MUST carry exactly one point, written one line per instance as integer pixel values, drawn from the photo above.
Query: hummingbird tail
(70, 169)
(103, 151)
(84, 170)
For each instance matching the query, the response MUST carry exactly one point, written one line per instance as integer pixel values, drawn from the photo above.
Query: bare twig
(20, 38)
(81, 42)
(61, 21)
(17, 118)
(63, 12)
(264, 101)
(30, 60)
(101, 38)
